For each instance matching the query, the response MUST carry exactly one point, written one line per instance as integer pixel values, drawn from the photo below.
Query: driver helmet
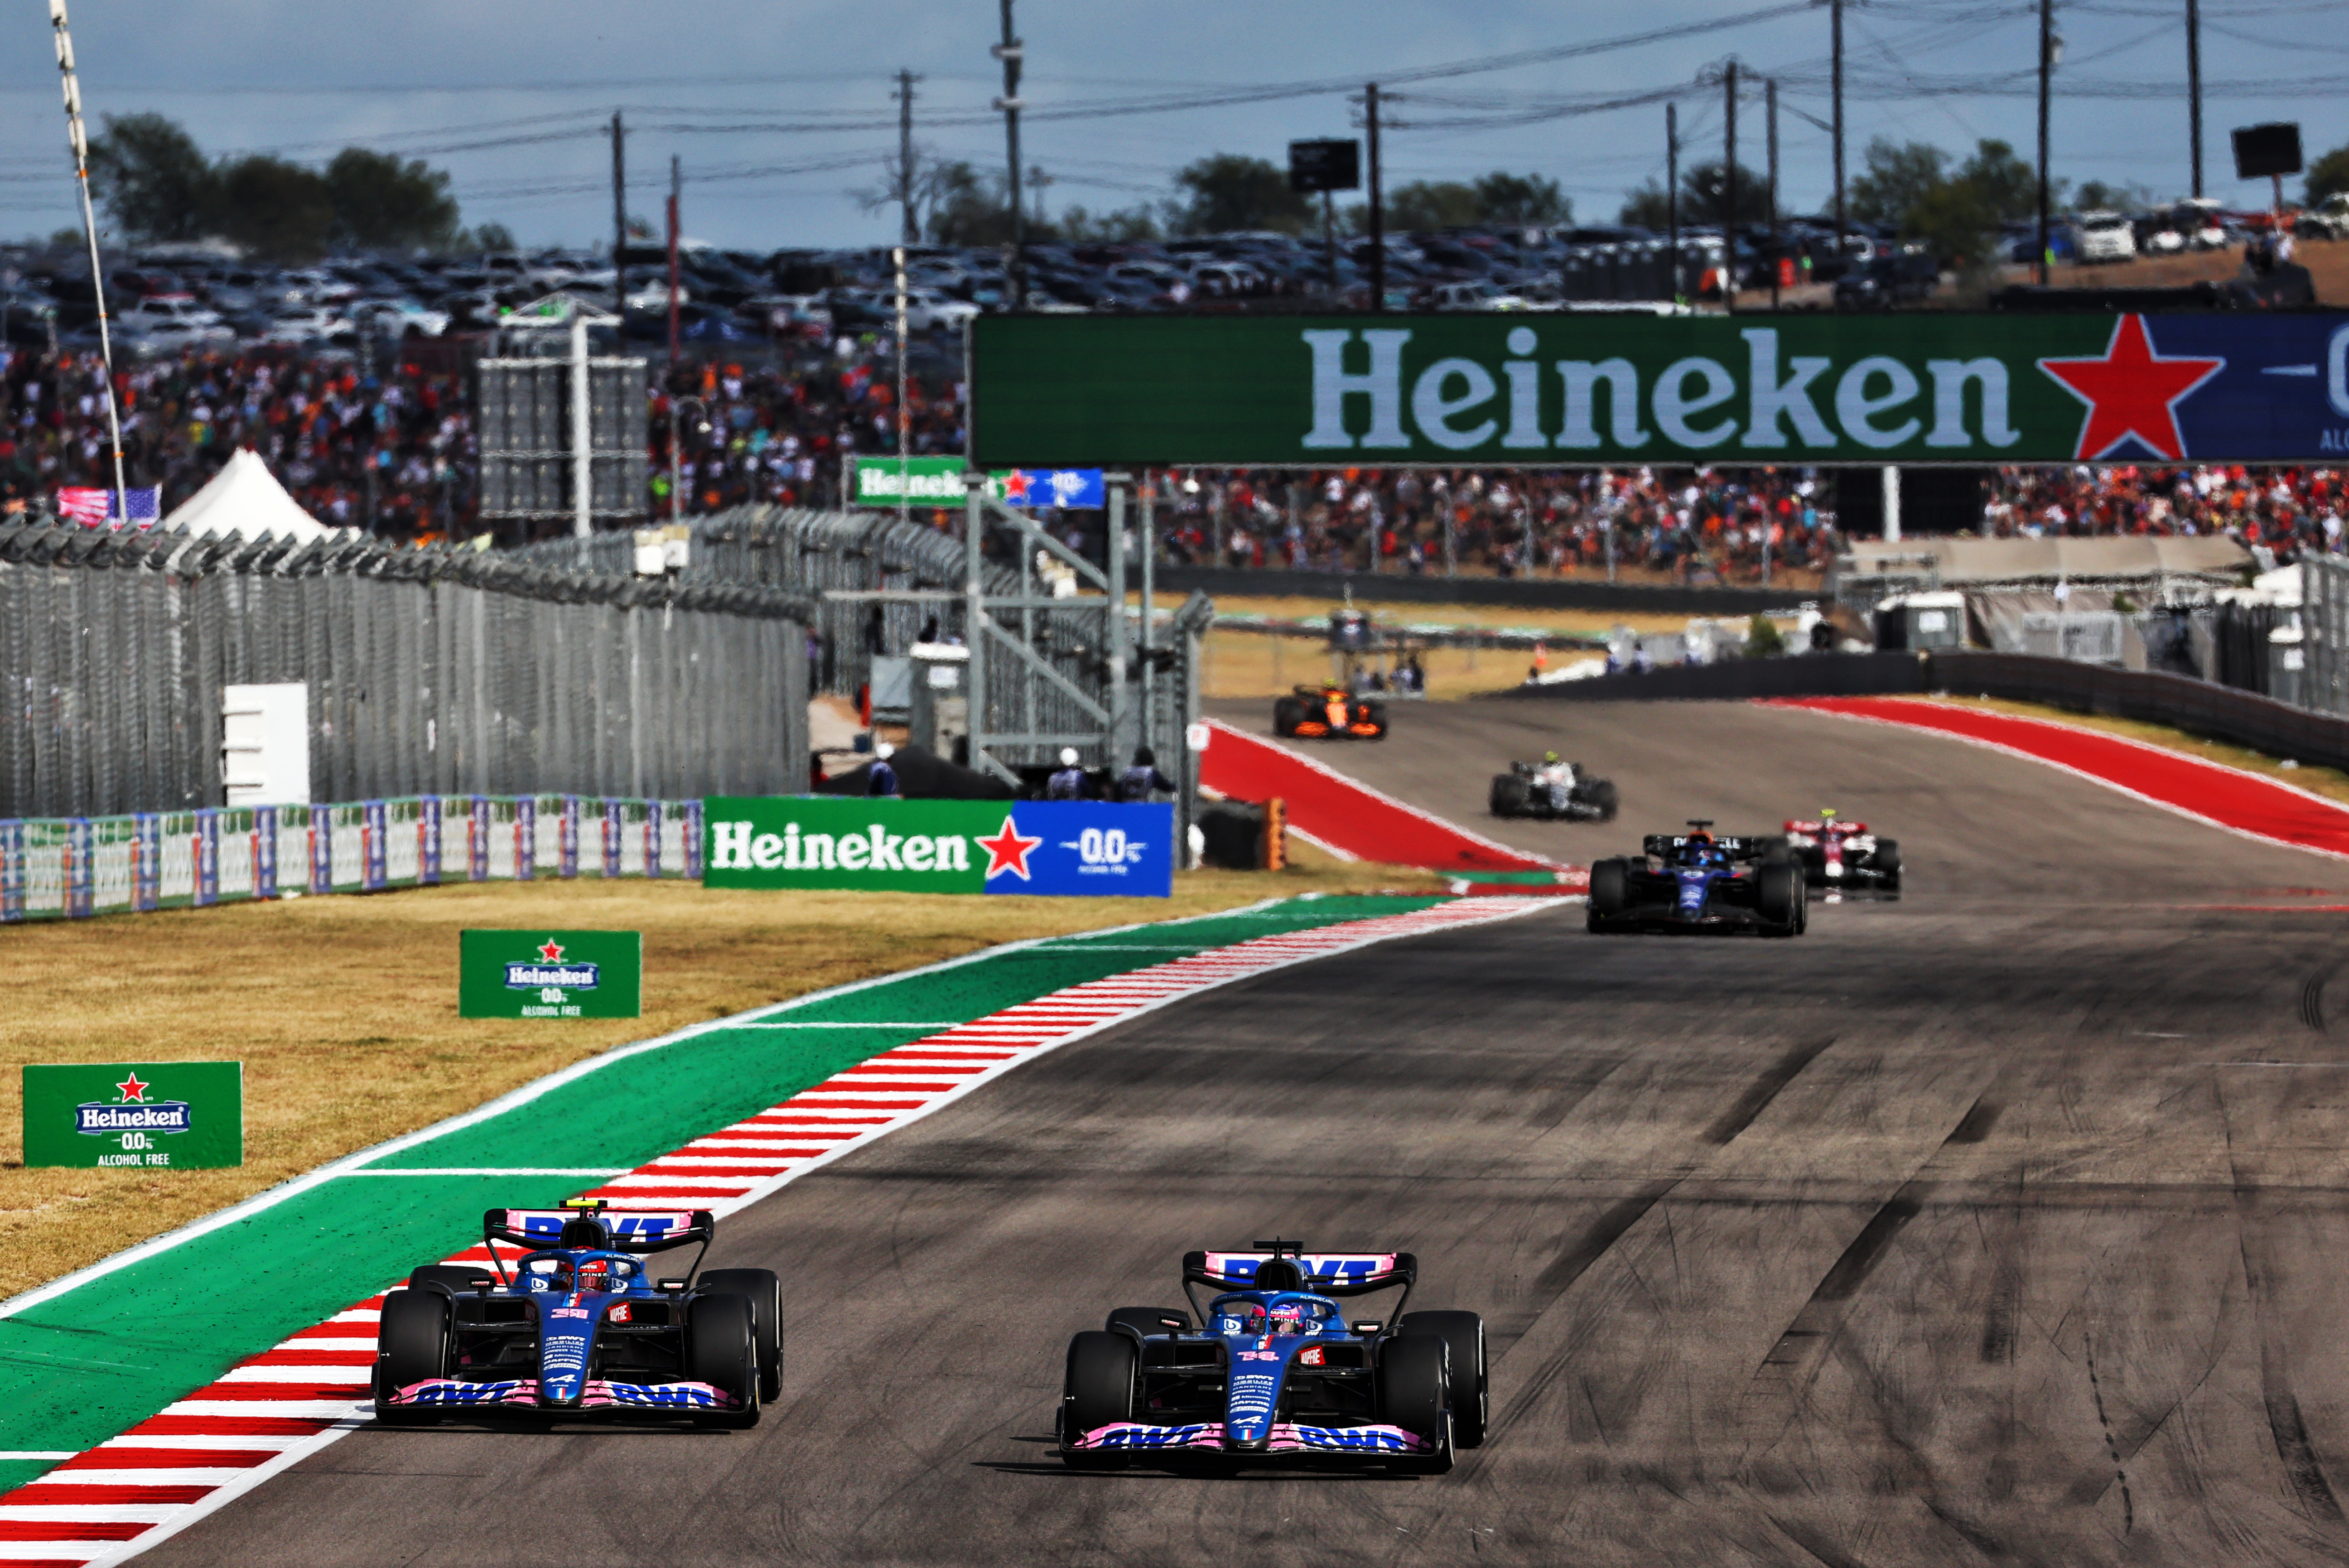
(597, 1275)
(1549, 759)
(1700, 847)
(1287, 1317)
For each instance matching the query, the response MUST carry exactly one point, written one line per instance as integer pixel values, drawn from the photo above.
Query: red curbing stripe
(171, 1426)
(106, 1457)
(86, 1530)
(68, 1494)
(2208, 791)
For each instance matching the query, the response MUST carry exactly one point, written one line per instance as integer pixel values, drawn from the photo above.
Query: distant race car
(1317, 712)
(1698, 881)
(1275, 1372)
(1840, 857)
(1553, 791)
(576, 1326)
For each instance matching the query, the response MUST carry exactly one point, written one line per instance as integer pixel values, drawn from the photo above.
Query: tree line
(158, 187)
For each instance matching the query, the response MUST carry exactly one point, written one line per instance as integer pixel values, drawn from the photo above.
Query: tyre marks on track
(1763, 1090)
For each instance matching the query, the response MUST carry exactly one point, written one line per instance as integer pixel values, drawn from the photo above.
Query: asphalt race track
(2005, 1224)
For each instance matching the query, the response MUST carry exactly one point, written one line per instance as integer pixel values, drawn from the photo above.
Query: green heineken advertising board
(938, 482)
(1070, 848)
(538, 974)
(177, 1115)
(1546, 389)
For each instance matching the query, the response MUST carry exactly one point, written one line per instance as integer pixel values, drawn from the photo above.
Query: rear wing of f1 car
(1326, 1274)
(636, 1231)
(1821, 829)
(1665, 845)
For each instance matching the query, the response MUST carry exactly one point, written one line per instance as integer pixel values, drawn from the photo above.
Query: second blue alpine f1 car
(576, 1327)
(1700, 881)
(1273, 1371)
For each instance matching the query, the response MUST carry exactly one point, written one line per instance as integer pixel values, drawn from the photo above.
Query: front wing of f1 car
(1284, 1438)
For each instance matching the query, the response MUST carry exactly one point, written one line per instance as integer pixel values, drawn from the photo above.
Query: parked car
(2104, 237)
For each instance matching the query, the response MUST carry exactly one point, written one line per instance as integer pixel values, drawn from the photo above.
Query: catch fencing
(439, 671)
(79, 866)
(848, 563)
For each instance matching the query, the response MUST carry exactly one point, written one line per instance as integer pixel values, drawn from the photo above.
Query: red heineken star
(551, 950)
(1015, 490)
(2131, 391)
(131, 1089)
(1006, 851)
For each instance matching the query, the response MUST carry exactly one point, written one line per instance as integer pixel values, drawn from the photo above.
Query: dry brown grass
(344, 1010)
(2327, 781)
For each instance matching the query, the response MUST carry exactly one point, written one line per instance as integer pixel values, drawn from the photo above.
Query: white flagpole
(80, 141)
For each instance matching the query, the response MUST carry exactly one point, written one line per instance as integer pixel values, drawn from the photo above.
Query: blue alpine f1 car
(1700, 881)
(1274, 1371)
(576, 1326)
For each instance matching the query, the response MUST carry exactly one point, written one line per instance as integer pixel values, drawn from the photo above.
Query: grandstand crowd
(395, 451)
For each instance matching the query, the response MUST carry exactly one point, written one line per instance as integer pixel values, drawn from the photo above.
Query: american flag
(95, 508)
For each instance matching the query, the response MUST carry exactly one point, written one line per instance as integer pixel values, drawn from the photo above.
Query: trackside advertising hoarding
(153, 1116)
(539, 974)
(937, 481)
(1066, 847)
(1543, 390)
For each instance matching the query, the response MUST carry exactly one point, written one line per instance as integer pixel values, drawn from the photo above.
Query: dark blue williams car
(1274, 1372)
(1700, 881)
(576, 1327)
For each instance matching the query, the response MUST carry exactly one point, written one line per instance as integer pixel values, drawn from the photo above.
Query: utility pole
(1378, 205)
(1835, 13)
(907, 233)
(1729, 189)
(2194, 88)
(78, 138)
(2047, 68)
(1009, 53)
(675, 189)
(619, 213)
(1672, 206)
(1769, 98)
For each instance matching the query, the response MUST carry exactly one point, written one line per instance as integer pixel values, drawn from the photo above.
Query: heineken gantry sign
(175, 1116)
(1540, 390)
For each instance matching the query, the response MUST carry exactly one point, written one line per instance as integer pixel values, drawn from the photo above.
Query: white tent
(245, 498)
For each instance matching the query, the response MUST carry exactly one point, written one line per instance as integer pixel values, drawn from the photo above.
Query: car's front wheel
(722, 1350)
(411, 1346)
(1415, 1393)
(1096, 1391)
(1463, 1333)
(765, 1294)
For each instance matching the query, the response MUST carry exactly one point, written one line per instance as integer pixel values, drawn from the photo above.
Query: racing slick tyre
(1415, 1393)
(1097, 1391)
(411, 1346)
(454, 1279)
(1144, 1320)
(1463, 1333)
(1287, 713)
(1611, 892)
(1602, 798)
(1779, 900)
(1887, 864)
(1777, 852)
(1510, 796)
(722, 1349)
(766, 1293)
(1375, 715)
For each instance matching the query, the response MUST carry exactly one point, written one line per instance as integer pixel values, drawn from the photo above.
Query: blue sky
(805, 87)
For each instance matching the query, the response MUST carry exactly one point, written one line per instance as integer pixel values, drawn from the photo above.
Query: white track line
(249, 1425)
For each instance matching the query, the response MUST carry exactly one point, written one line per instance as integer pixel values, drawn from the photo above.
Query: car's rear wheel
(1096, 1391)
(1601, 795)
(1778, 899)
(1288, 712)
(1887, 863)
(722, 1349)
(1463, 1333)
(1509, 794)
(411, 1346)
(1415, 1393)
(765, 1293)
(1610, 889)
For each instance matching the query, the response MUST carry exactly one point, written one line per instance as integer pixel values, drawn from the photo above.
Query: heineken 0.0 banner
(1080, 848)
(937, 481)
(538, 974)
(177, 1115)
(1541, 389)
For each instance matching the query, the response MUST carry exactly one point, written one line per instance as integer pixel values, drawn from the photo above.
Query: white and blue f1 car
(576, 1326)
(1273, 1370)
